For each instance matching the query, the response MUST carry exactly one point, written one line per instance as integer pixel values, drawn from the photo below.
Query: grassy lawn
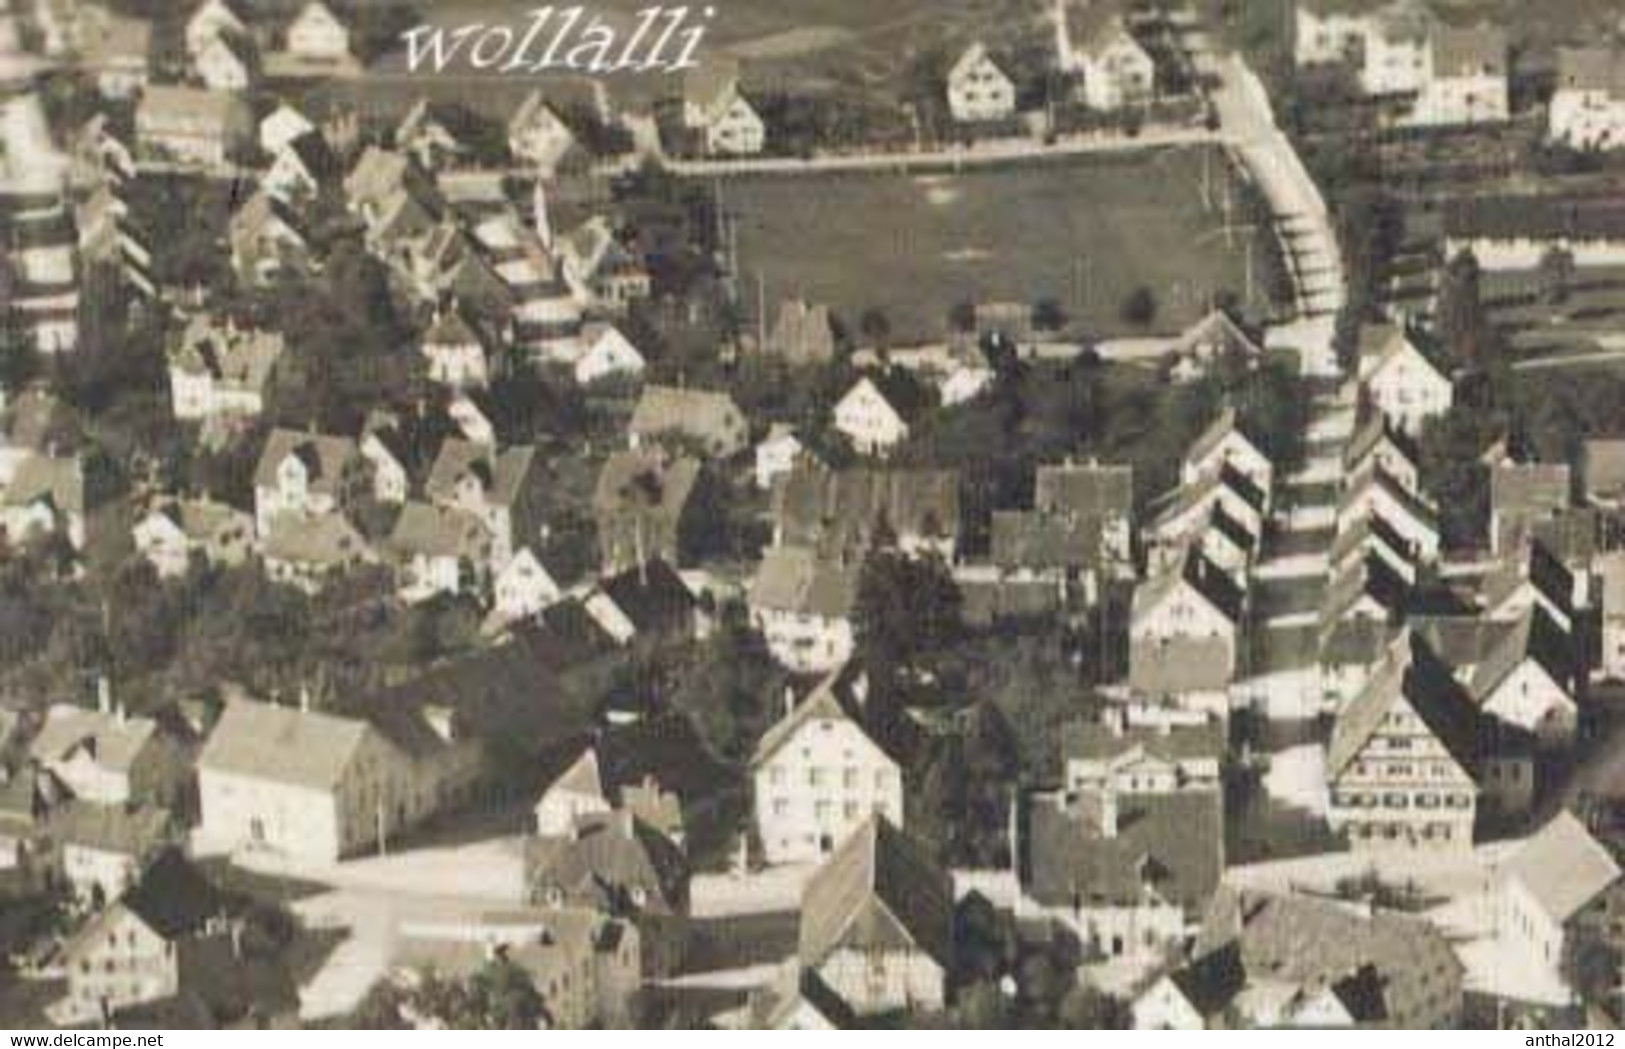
(1084, 233)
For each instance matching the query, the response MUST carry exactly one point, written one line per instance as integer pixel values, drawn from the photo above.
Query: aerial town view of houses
(812, 514)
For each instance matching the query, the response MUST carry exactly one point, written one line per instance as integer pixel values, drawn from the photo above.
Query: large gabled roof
(1227, 424)
(1214, 584)
(828, 701)
(1534, 637)
(1377, 429)
(879, 891)
(1562, 866)
(1102, 490)
(283, 745)
(796, 579)
(1164, 846)
(1410, 674)
(1407, 500)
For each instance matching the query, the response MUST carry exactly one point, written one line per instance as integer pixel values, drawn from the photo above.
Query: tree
(1461, 322)
(379, 1010)
(1049, 315)
(1556, 275)
(507, 996)
(19, 356)
(729, 686)
(500, 996)
(876, 327)
(1140, 307)
(907, 610)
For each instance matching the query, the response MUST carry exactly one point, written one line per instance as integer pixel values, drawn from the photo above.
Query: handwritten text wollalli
(565, 39)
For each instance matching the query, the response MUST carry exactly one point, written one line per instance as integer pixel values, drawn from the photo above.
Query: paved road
(1300, 211)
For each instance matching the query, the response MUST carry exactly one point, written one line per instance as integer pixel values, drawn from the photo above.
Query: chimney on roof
(304, 698)
(1108, 812)
(789, 700)
(104, 695)
(1115, 719)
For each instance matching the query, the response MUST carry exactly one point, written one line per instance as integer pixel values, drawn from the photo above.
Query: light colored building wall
(819, 787)
(872, 982)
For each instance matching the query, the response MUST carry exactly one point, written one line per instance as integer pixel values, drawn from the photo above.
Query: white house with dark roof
(1185, 632)
(1370, 536)
(192, 125)
(168, 936)
(709, 419)
(1527, 680)
(218, 369)
(212, 19)
(1400, 380)
(717, 110)
(598, 352)
(501, 488)
(601, 268)
(776, 454)
(101, 849)
(1544, 887)
(1213, 339)
(818, 777)
(1276, 960)
(301, 169)
(438, 550)
(803, 605)
(1467, 78)
(267, 240)
(1226, 442)
(1188, 510)
(174, 532)
(1116, 68)
(456, 353)
(978, 90)
(523, 588)
(1404, 756)
(281, 126)
(1113, 753)
(47, 496)
(1588, 101)
(1128, 872)
(539, 137)
(1377, 443)
(870, 419)
(318, 35)
(110, 757)
(1527, 579)
(877, 923)
(306, 551)
(305, 475)
(575, 793)
(1414, 521)
(222, 64)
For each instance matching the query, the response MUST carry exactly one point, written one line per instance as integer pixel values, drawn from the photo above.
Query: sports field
(1085, 233)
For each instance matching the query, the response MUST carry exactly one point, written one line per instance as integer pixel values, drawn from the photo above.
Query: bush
(1140, 308)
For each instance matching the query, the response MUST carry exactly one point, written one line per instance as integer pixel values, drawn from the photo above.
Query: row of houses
(1453, 75)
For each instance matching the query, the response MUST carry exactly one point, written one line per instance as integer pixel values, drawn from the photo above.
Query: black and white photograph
(753, 515)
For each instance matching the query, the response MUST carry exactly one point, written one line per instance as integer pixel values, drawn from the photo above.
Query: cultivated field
(1085, 233)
